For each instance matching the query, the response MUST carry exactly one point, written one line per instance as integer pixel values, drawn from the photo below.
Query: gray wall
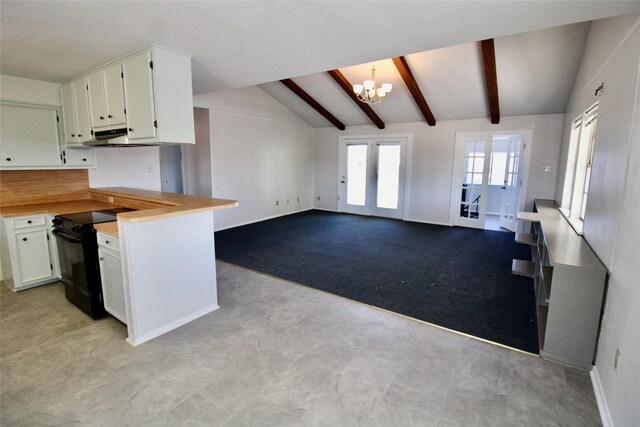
(611, 226)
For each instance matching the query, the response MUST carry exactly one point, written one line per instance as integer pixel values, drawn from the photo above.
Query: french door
(511, 187)
(371, 180)
(484, 162)
(473, 152)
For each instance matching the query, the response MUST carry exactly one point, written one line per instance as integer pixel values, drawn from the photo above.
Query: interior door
(511, 187)
(471, 180)
(372, 176)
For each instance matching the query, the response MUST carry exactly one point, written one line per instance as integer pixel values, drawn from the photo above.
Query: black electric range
(78, 253)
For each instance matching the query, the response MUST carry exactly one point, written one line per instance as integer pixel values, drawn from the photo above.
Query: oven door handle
(67, 237)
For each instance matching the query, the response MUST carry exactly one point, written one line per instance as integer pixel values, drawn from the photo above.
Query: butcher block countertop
(148, 205)
(157, 204)
(56, 208)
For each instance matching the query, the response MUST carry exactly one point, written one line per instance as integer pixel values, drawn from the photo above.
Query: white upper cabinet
(148, 92)
(29, 136)
(138, 89)
(159, 97)
(75, 112)
(106, 97)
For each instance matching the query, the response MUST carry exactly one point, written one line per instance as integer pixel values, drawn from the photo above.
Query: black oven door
(72, 265)
(80, 271)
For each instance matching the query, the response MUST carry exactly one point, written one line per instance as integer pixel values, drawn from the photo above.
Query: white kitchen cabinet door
(75, 112)
(33, 255)
(29, 136)
(114, 95)
(69, 119)
(112, 284)
(77, 157)
(138, 93)
(83, 124)
(106, 97)
(97, 102)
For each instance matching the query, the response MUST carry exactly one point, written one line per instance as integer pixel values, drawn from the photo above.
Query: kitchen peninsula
(167, 252)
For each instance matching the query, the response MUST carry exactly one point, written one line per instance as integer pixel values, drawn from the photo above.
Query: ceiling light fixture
(369, 92)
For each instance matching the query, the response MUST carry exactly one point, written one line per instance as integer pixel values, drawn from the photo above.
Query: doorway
(372, 175)
(489, 179)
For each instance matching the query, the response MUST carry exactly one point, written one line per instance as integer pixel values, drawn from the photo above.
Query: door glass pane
(388, 176)
(356, 174)
(472, 179)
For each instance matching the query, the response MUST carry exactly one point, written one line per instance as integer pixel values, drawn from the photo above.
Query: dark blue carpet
(459, 278)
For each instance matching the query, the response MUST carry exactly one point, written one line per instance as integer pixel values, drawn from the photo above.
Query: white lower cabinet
(111, 276)
(26, 251)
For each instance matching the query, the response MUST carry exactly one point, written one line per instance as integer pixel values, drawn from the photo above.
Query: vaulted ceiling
(242, 43)
(535, 71)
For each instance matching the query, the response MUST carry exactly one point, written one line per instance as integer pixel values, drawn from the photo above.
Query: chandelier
(369, 92)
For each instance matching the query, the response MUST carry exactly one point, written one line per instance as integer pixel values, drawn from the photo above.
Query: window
(578, 174)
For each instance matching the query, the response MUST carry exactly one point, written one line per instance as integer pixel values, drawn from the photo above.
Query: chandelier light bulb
(357, 88)
(387, 87)
(368, 84)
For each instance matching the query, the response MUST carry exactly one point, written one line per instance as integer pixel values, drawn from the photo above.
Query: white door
(138, 94)
(372, 176)
(114, 95)
(511, 188)
(81, 100)
(97, 103)
(112, 284)
(471, 180)
(33, 255)
(69, 113)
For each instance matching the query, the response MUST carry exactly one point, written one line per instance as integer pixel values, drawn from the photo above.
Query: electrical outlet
(616, 359)
(149, 168)
(546, 168)
(110, 199)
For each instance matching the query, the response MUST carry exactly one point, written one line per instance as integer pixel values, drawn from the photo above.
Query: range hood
(113, 138)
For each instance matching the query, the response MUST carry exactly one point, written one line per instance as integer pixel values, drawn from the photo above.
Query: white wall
(611, 226)
(430, 160)
(261, 153)
(127, 167)
(17, 89)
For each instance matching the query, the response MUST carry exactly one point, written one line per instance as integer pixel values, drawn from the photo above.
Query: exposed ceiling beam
(412, 85)
(348, 88)
(491, 78)
(312, 102)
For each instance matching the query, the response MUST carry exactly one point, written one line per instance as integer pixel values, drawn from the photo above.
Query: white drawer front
(109, 241)
(30, 221)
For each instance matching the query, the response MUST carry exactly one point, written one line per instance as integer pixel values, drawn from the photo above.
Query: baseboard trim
(605, 415)
(263, 219)
(136, 341)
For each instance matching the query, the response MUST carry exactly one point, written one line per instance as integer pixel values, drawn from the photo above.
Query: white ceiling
(536, 71)
(239, 43)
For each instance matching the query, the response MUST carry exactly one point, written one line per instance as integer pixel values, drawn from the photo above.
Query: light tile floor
(275, 354)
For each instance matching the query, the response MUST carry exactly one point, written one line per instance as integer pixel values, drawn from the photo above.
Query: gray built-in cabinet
(569, 281)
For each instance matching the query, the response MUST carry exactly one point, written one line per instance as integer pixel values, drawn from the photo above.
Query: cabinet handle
(73, 135)
(101, 117)
(101, 259)
(108, 242)
(130, 130)
(8, 159)
(79, 136)
(24, 239)
(84, 160)
(29, 222)
(110, 116)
